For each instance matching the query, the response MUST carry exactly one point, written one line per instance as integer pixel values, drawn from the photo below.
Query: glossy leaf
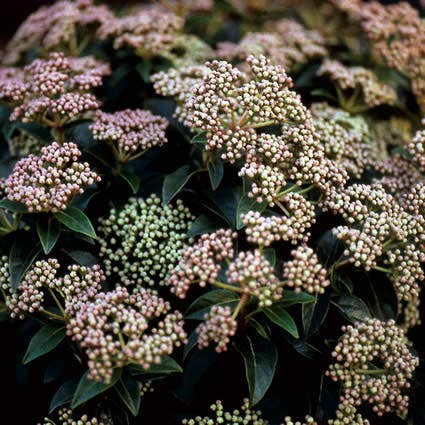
(260, 359)
(13, 206)
(203, 224)
(22, 255)
(270, 255)
(44, 341)
(202, 305)
(64, 394)
(88, 389)
(129, 392)
(215, 171)
(133, 180)
(245, 205)
(352, 308)
(280, 317)
(291, 297)
(174, 182)
(48, 232)
(76, 220)
(313, 315)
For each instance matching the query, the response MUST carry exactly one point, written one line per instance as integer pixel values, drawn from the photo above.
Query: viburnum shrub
(213, 213)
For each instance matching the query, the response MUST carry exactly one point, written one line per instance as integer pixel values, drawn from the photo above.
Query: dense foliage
(214, 213)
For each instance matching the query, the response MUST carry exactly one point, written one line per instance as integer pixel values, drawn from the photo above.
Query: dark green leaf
(352, 308)
(270, 255)
(191, 343)
(382, 300)
(88, 389)
(203, 224)
(44, 341)
(64, 394)
(224, 202)
(13, 206)
(199, 139)
(83, 257)
(260, 358)
(304, 348)
(144, 68)
(129, 392)
(202, 305)
(313, 314)
(48, 231)
(76, 220)
(245, 205)
(215, 171)
(22, 255)
(292, 297)
(280, 317)
(167, 366)
(259, 328)
(329, 248)
(132, 180)
(174, 182)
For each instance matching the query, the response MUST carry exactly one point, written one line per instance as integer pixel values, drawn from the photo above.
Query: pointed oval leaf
(87, 389)
(291, 297)
(48, 232)
(22, 255)
(203, 224)
(260, 359)
(352, 308)
(133, 180)
(44, 341)
(64, 394)
(13, 206)
(280, 317)
(76, 220)
(128, 391)
(174, 182)
(215, 171)
(202, 305)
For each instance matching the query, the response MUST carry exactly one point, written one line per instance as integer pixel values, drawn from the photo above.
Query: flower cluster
(141, 243)
(304, 272)
(179, 83)
(346, 138)
(48, 182)
(255, 275)
(150, 31)
(227, 105)
(218, 327)
(293, 226)
(54, 91)
(79, 285)
(374, 366)
(201, 262)
(29, 297)
(114, 330)
(288, 44)
(397, 35)
(380, 230)
(58, 26)
(130, 132)
(243, 416)
(363, 86)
